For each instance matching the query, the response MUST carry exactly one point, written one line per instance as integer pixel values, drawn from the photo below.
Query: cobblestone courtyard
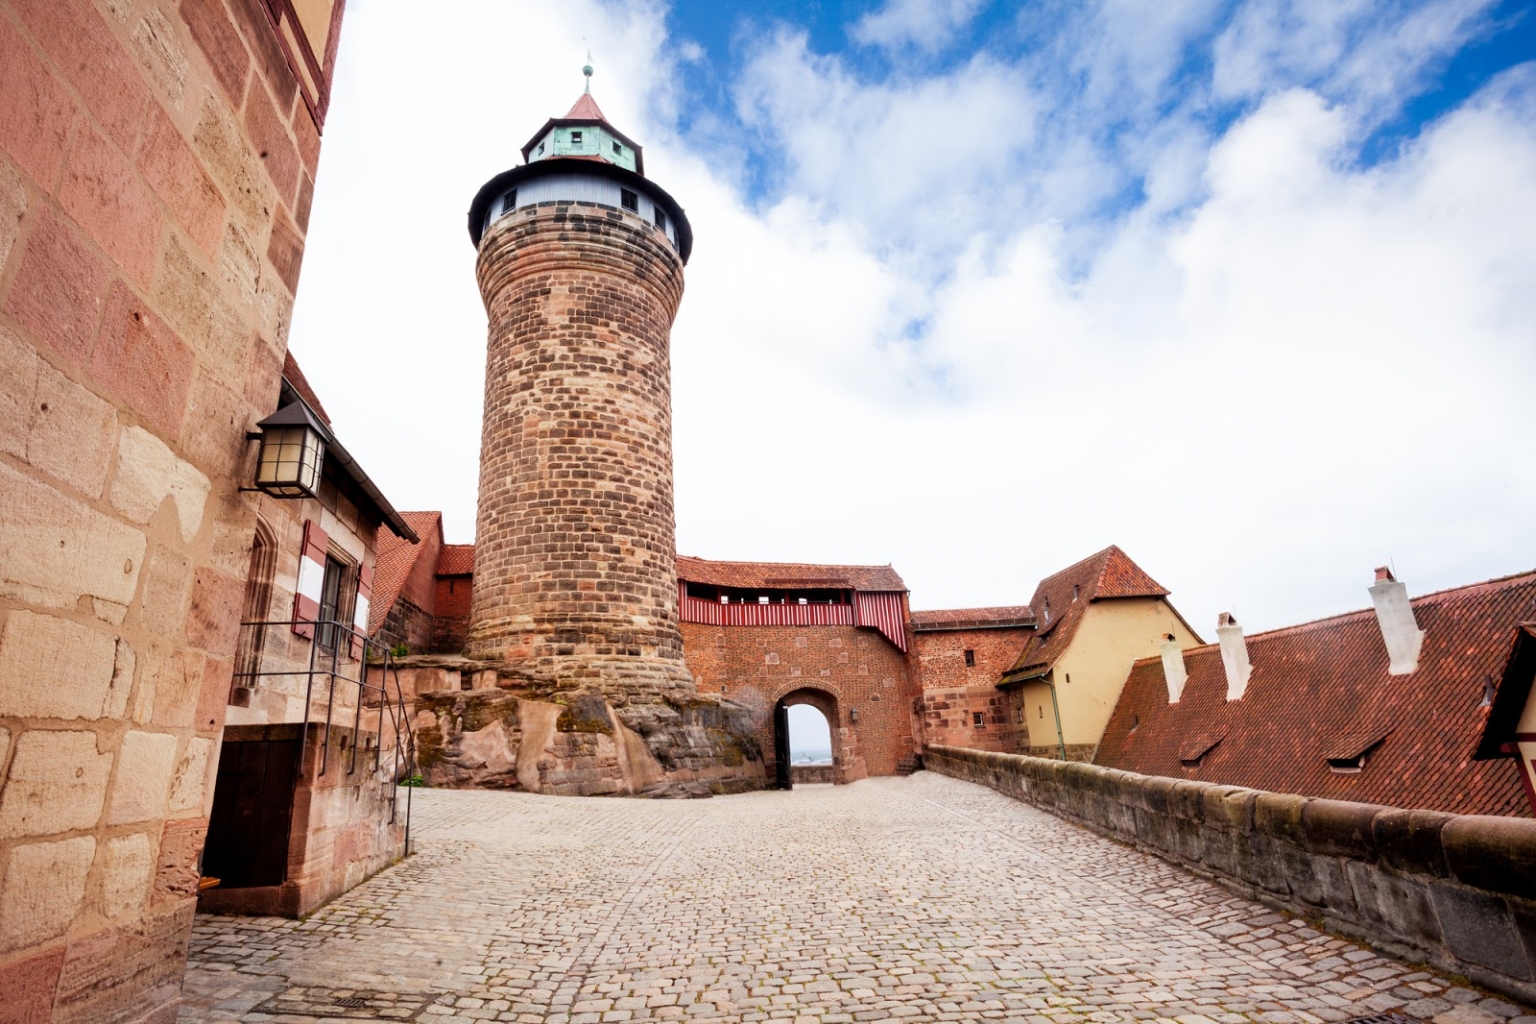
(922, 898)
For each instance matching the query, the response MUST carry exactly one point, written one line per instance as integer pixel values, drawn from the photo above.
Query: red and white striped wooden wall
(306, 598)
(877, 610)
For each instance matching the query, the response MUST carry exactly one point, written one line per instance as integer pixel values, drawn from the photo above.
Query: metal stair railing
(326, 645)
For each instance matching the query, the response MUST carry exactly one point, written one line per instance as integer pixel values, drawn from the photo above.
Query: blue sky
(980, 288)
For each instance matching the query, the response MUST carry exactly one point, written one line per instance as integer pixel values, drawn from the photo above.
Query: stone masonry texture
(921, 898)
(575, 587)
(954, 693)
(1457, 891)
(151, 172)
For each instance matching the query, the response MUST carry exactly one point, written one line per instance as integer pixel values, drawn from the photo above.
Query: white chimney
(1399, 629)
(1173, 668)
(1234, 655)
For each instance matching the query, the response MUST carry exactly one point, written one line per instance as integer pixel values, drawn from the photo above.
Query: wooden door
(252, 810)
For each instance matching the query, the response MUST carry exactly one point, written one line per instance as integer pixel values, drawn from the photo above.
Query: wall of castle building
(1089, 675)
(283, 656)
(954, 693)
(574, 544)
(344, 828)
(455, 594)
(156, 171)
(858, 669)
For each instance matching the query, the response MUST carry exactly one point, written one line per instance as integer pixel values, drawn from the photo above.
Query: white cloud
(1268, 377)
(928, 25)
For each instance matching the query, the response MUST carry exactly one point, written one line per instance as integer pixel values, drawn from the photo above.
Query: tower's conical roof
(585, 109)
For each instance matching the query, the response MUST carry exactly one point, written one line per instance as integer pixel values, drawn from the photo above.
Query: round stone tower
(575, 591)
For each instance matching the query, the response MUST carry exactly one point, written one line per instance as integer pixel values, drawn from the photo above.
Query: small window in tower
(661, 219)
(575, 138)
(509, 202)
(618, 149)
(970, 659)
(629, 200)
(540, 150)
(978, 720)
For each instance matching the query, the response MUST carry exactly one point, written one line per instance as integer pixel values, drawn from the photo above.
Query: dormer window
(629, 200)
(1075, 591)
(575, 138)
(1047, 610)
(618, 150)
(540, 150)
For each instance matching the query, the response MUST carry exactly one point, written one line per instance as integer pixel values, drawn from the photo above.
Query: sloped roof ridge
(1300, 627)
(1101, 556)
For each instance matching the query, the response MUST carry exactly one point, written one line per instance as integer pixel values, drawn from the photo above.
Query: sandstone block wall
(156, 171)
(853, 669)
(1455, 891)
(575, 582)
(575, 537)
(954, 692)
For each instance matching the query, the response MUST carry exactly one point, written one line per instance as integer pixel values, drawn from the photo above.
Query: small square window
(575, 138)
(618, 149)
(629, 200)
(978, 720)
(970, 659)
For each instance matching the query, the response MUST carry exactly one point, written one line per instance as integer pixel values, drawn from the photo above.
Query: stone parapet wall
(1455, 891)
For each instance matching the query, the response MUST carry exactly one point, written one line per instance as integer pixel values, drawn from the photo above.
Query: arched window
(254, 612)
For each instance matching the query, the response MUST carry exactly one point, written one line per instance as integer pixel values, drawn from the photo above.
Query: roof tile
(1321, 690)
(393, 563)
(787, 575)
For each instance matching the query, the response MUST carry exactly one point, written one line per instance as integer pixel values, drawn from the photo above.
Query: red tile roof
(456, 560)
(787, 575)
(1321, 690)
(394, 560)
(973, 618)
(585, 110)
(295, 376)
(1060, 600)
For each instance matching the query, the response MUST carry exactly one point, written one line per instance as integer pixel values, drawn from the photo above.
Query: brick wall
(574, 539)
(156, 170)
(451, 626)
(955, 692)
(856, 669)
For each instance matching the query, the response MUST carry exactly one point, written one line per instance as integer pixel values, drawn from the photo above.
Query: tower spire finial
(586, 69)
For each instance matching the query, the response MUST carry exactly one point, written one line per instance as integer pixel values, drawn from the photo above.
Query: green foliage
(400, 650)
(414, 781)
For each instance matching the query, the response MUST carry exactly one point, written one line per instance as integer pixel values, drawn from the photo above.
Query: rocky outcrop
(480, 726)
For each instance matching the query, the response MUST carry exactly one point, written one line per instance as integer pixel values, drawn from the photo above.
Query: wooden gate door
(252, 810)
(781, 745)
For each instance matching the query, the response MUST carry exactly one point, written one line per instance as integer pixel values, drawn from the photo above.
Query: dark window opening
(575, 138)
(509, 202)
(330, 601)
(629, 200)
(970, 659)
(1047, 611)
(1135, 722)
(1075, 591)
(978, 720)
(618, 149)
(540, 150)
(661, 219)
(1490, 690)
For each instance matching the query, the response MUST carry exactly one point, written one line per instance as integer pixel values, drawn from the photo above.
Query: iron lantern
(292, 450)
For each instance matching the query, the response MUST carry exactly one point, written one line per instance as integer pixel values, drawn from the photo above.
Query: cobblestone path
(922, 898)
